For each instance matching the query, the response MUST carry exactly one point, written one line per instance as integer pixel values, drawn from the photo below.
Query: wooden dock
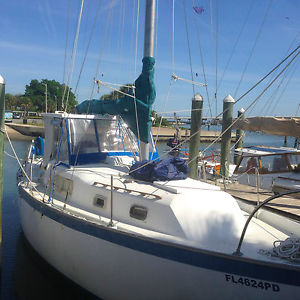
(165, 133)
(287, 206)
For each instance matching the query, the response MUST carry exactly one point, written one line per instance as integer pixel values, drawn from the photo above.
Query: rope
(253, 47)
(288, 249)
(9, 155)
(20, 165)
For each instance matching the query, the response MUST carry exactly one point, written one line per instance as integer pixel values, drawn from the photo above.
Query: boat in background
(274, 169)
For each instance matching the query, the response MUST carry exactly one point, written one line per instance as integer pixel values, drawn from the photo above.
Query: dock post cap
(197, 97)
(2, 81)
(228, 98)
(241, 111)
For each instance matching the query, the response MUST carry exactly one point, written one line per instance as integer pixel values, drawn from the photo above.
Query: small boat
(83, 210)
(275, 169)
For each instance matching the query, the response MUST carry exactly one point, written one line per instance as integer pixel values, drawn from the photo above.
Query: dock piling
(196, 120)
(239, 136)
(226, 137)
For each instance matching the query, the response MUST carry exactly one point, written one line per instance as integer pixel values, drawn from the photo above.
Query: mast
(148, 52)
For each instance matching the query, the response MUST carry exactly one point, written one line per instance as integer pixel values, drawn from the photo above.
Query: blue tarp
(173, 168)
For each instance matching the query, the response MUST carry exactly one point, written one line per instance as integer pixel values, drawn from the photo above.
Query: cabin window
(83, 138)
(115, 136)
(138, 212)
(274, 163)
(63, 153)
(99, 201)
(248, 165)
(294, 161)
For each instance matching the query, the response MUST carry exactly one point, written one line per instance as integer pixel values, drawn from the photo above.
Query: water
(25, 275)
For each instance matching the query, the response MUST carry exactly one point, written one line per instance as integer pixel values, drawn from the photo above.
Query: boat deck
(288, 206)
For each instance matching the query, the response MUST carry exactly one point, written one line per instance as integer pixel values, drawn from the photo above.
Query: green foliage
(114, 95)
(36, 90)
(34, 98)
(157, 120)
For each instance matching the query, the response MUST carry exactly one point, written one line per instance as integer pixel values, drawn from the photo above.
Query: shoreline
(28, 132)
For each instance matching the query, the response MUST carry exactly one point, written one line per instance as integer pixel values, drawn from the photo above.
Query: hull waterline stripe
(213, 261)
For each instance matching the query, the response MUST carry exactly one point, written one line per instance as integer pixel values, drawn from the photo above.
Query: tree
(158, 119)
(114, 95)
(36, 90)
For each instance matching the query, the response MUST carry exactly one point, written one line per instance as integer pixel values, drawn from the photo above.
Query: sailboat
(125, 238)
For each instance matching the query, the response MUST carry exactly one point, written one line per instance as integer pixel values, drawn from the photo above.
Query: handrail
(126, 190)
(238, 249)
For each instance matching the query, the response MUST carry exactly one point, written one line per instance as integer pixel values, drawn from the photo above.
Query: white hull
(112, 271)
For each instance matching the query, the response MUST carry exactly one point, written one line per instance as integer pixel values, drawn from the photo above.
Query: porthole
(99, 201)
(138, 212)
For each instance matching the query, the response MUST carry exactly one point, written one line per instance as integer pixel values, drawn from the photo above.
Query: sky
(235, 43)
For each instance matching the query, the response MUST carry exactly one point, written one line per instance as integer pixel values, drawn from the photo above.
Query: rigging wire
(202, 63)
(165, 106)
(236, 43)
(189, 46)
(122, 34)
(101, 49)
(88, 44)
(271, 99)
(284, 89)
(67, 38)
(253, 47)
(216, 54)
(173, 37)
(73, 58)
(252, 103)
(135, 62)
(156, 30)
(256, 99)
(269, 102)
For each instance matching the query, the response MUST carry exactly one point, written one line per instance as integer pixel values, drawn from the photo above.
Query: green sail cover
(145, 96)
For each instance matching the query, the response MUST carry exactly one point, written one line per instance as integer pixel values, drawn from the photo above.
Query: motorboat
(274, 169)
